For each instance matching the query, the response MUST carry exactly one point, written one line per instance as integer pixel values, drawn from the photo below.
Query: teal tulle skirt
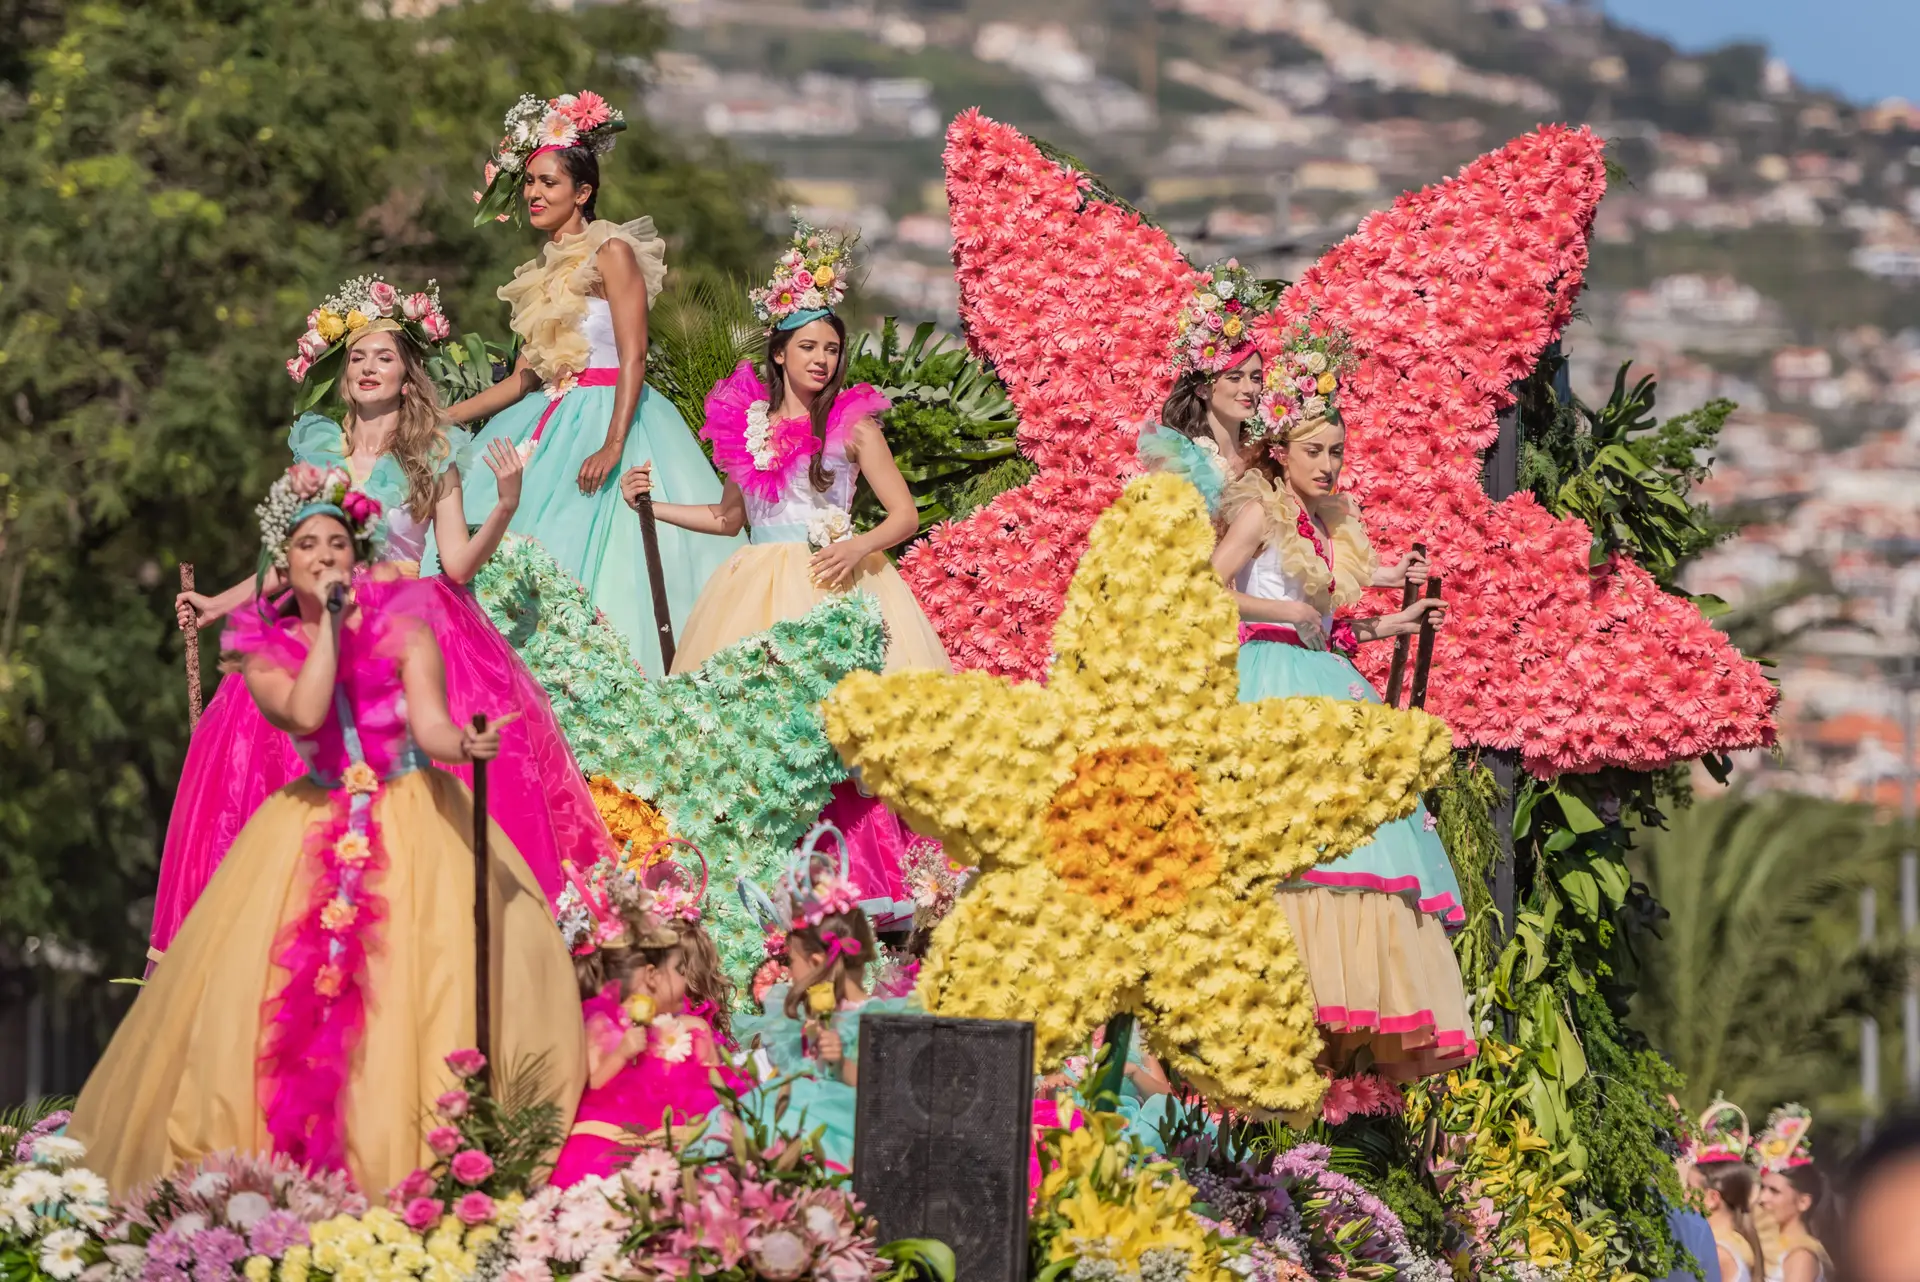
(1405, 857)
(596, 537)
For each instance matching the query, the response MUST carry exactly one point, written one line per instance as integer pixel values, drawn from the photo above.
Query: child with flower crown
(581, 311)
(1372, 925)
(315, 990)
(649, 1055)
(792, 448)
(1794, 1193)
(811, 1028)
(366, 350)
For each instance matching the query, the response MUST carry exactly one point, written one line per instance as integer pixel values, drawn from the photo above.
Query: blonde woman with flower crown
(1371, 925)
(580, 310)
(793, 447)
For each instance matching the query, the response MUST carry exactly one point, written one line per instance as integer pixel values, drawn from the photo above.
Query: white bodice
(1264, 578)
(799, 500)
(597, 325)
(406, 537)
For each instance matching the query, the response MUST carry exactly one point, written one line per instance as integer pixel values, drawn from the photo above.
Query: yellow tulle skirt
(179, 1081)
(765, 583)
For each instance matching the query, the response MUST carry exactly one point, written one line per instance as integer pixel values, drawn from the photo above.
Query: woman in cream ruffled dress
(1372, 925)
(581, 311)
(314, 991)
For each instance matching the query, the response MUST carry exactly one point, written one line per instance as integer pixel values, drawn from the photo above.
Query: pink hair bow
(840, 946)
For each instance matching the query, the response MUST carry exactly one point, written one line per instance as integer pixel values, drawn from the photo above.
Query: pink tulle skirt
(235, 760)
(877, 844)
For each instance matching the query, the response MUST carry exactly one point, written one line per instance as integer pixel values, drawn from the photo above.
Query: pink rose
(1307, 383)
(1214, 321)
(474, 1208)
(360, 506)
(472, 1166)
(306, 478)
(297, 369)
(419, 306)
(312, 345)
(491, 172)
(418, 1183)
(803, 279)
(452, 1104)
(383, 296)
(467, 1063)
(313, 318)
(443, 1140)
(423, 1213)
(437, 326)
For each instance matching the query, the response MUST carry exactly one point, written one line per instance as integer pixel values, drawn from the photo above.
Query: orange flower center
(1125, 831)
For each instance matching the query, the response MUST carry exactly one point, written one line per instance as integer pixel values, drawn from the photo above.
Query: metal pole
(482, 917)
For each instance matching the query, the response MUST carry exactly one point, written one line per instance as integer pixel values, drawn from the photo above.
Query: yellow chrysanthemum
(628, 818)
(1131, 817)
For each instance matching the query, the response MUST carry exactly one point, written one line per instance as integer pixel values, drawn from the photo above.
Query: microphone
(336, 598)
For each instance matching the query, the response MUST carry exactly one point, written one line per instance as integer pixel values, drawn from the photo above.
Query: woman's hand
(1305, 622)
(829, 1048)
(599, 466)
(1428, 609)
(833, 566)
(329, 578)
(484, 745)
(634, 1044)
(1411, 568)
(636, 484)
(197, 609)
(509, 470)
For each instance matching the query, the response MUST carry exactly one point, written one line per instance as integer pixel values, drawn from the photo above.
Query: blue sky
(1866, 49)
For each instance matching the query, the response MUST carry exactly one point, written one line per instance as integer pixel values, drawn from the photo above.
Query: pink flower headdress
(535, 125)
(1788, 1140)
(816, 885)
(1216, 326)
(607, 907)
(364, 305)
(1302, 385)
(304, 491)
(1719, 1136)
(810, 280)
(674, 894)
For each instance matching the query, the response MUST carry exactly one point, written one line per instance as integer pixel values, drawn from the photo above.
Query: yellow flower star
(1131, 817)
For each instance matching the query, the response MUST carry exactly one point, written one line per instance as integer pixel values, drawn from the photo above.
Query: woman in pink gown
(394, 446)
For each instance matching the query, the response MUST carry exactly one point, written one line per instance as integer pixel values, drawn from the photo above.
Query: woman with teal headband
(581, 312)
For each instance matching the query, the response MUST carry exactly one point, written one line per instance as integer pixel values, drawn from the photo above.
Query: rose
(383, 296)
(352, 848)
(419, 306)
(452, 1104)
(357, 319)
(443, 1140)
(330, 325)
(311, 344)
(824, 277)
(474, 1208)
(467, 1063)
(1316, 363)
(437, 326)
(423, 1213)
(1327, 383)
(471, 1166)
(803, 279)
(297, 369)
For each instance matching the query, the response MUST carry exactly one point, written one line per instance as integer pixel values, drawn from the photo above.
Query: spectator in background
(1880, 1230)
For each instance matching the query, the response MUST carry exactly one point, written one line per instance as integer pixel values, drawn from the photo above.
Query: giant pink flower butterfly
(1452, 294)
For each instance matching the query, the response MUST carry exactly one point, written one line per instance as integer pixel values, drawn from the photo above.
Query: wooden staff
(190, 631)
(657, 580)
(482, 917)
(1424, 660)
(1409, 592)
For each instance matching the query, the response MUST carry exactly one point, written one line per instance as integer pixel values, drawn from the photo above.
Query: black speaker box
(941, 1136)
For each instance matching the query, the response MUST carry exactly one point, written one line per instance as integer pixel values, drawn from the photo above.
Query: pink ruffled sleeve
(726, 425)
(256, 629)
(606, 1023)
(862, 400)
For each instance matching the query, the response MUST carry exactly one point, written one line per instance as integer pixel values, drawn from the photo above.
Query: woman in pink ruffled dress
(396, 448)
(792, 448)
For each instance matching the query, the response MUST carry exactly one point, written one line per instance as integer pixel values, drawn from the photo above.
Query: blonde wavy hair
(419, 444)
(1353, 560)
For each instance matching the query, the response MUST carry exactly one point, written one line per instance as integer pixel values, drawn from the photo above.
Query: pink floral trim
(793, 439)
(1311, 533)
(1443, 905)
(314, 1023)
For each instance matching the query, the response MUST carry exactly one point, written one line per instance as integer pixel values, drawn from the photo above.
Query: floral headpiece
(1215, 326)
(810, 280)
(535, 125)
(1720, 1135)
(1303, 383)
(595, 908)
(674, 895)
(1788, 1140)
(364, 305)
(806, 895)
(304, 491)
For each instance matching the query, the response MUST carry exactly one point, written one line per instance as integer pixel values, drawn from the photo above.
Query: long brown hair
(848, 925)
(1734, 1182)
(706, 980)
(777, 340)
(419, 444)
(1185, 410)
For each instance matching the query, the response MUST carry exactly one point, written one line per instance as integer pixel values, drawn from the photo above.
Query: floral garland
(1303, 381)
(304, 485)
(1452, 295)
(734, 755)
(1130, 818)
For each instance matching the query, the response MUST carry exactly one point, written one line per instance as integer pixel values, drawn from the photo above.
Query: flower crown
(810, 280)
(1720, 1135)
(305, 490)
(595, 908)
(1215, 327)
(804, 897)
(1788, 1140)
(534, 125)
(365, 304)
(673, 895)
(1302, 383)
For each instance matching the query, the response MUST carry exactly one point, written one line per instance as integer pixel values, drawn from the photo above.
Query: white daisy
(60, 1254)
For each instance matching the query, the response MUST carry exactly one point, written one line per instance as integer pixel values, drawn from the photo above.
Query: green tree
(1757, 974)
(180, 181)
